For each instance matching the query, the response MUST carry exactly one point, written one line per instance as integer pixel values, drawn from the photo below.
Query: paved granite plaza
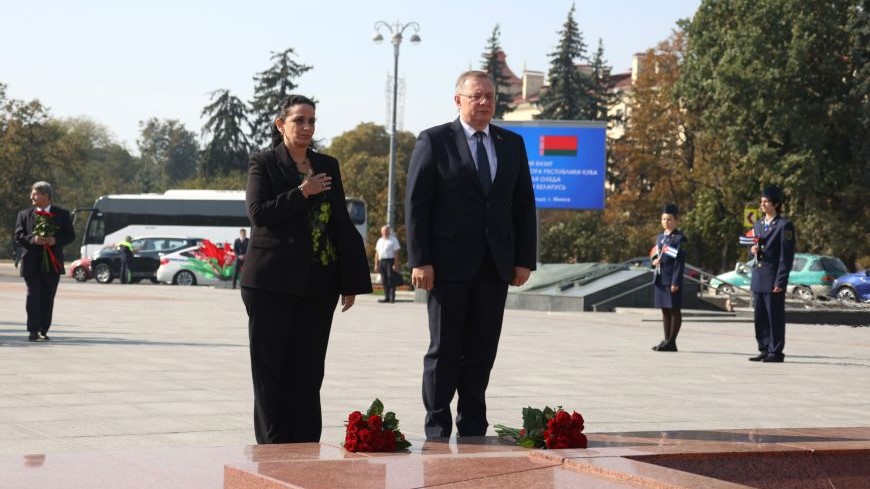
(142, 366)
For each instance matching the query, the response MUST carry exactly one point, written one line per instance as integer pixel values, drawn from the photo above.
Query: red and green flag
(558, 146)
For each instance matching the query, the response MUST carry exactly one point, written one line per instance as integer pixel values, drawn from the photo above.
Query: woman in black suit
(303, 254)
(670, 263)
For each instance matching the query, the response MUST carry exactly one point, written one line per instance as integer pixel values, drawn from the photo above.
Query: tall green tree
(28, 153)
(859, 56)
(228, 146)
(651, 162)
(776, 105)
(493, 63)
(602, 87)
(569, 93)
(97, 165)
(364, 154)
(78, 156)
(272, 86)
(170, 148)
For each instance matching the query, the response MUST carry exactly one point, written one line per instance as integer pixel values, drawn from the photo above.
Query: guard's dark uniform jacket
(776, 243)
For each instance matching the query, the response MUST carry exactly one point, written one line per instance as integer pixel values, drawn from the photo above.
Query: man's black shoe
(33, 337)
(383, 300)
(44, 337)
(758, 358)
(773, 358)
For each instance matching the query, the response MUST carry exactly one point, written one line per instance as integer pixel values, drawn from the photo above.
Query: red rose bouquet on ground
(44, 227)
(374, 432)
(547, 428)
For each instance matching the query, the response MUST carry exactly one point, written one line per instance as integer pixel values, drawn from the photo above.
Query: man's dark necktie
(483, 163)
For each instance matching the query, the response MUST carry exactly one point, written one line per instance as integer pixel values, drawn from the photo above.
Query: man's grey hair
(44, 188)
(460, 82)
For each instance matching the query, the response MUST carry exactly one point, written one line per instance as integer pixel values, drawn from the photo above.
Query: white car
(181, 268)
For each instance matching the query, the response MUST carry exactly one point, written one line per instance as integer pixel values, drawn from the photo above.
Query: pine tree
(496, 69)
(227, 150)
(602, 96)
(272, 87)
(568, 96)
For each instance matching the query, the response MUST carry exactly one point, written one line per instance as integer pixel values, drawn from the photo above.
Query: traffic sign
(750, 215)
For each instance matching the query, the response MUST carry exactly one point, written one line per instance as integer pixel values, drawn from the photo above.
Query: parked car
(852, 287)
(811, 276)
(106, 266)
(80, 270)
(183, 267)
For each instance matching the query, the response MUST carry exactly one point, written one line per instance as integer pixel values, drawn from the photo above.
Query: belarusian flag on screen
(558, 146)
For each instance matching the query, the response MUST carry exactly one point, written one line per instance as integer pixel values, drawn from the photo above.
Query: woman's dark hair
(288, 103)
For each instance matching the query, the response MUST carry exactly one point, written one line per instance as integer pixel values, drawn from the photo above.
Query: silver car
(183, 268)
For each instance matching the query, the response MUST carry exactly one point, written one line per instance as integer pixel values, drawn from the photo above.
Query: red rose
(390, 441)
(364, 447)
(378, 442)
(354, 417)
(365, 436)
(350, 445)
(563, 418)
(376, 422)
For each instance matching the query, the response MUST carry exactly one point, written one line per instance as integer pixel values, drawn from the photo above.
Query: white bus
(216, 215)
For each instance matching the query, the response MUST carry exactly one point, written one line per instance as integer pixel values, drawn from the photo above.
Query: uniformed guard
(669, 262)
(774, 254)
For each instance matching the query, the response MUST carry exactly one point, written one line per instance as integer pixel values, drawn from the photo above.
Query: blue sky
(120, 62)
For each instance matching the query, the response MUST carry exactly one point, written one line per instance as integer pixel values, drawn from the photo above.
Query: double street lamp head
(396, 30)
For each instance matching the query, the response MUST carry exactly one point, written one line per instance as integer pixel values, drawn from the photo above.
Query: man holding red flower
(42, 231)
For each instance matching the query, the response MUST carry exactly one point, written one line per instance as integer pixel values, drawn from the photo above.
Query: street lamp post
(396, 30)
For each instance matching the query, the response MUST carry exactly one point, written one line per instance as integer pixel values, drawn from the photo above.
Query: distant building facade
(526, 94)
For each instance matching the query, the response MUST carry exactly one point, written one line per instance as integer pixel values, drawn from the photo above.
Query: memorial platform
(823, 458)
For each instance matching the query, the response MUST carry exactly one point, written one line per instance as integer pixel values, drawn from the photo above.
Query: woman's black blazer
(280, 252)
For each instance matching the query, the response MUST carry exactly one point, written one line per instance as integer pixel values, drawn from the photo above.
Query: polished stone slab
(712, 459)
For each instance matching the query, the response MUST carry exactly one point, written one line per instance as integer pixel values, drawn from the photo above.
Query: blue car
(852, 287)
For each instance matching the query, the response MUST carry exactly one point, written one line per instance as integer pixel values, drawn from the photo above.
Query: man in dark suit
(774, 255)
(471, 232)
(240, 247)
(40, 276)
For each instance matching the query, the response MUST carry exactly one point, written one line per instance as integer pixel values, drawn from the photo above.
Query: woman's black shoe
(669, 346)
(659, 346)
